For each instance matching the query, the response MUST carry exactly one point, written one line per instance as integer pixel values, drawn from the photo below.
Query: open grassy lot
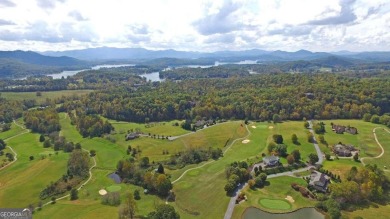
(278, 189)
(276, 204)
(22, 182)
(287, 129)
(382, 212)
(364, 140)
(201, 188)
(384, 139)
(44, 95)
(12, 132)
(154, 128)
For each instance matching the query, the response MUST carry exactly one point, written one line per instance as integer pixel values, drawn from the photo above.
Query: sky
(196, 25)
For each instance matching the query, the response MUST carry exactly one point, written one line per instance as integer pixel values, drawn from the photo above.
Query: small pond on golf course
(306, 213)
(115, 177)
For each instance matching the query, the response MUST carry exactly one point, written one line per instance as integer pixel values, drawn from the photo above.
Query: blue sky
(196, 25)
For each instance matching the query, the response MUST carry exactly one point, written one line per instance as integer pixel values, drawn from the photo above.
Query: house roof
(319, 179)
(271, 159)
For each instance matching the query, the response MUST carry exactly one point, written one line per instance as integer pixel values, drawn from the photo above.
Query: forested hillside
(259, 97)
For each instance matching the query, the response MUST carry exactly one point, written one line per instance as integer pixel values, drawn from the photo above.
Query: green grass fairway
(157, 128)
(22, 182)
(45, 94)
(278, 189)
(384, 139)
(276, 204)
(113, 188)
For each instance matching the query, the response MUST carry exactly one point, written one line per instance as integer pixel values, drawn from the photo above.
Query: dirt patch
(290, 199)
(102, 192)
(270, 127)
(253, 126)
(246, 141)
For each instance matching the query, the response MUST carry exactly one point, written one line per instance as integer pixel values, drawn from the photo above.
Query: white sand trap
(246, 141)
(253, 126)
(290, 199)
(102, 192)
(270, 127)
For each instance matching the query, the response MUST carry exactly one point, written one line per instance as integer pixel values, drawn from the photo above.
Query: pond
(306, 213)
(154, 76)
(115, 177)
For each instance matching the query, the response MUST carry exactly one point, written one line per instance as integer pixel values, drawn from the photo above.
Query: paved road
(318, 150)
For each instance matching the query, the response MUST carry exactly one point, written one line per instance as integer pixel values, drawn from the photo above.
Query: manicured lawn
(22, 182)
(384, 139)
(45, 94)
(154, 128)
(113, 188)
(364, 140)
(287, 129)
(278, 189)
(201, 188)
(275, 204)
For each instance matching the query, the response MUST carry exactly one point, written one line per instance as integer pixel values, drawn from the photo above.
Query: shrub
(304, 192)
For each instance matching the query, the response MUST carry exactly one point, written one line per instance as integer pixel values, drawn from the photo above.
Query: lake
(97, 67)
(306, 213)
(154, 76)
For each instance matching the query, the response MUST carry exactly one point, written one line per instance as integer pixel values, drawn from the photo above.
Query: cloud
(42, 32)
(5, 22)
(221, 38)
(48, 4)
(77, 16)
(7, 3)
(291, 30)
(221, 22)
(345, 16)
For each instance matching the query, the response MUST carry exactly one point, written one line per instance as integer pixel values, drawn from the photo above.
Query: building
(271, 161)
(319, 181)
(340, 129)
(343, 150)
(132, 136)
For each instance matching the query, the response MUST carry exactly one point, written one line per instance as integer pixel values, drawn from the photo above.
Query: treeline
(384, 119)
(212, 72)
(363, 185)
(43, 121)
(90, 125)
(77, 170)
(144, 175)
(194, 156)
(92, 79)
(258, 97)
(10, 109)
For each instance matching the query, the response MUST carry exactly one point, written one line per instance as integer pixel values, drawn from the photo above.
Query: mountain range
(19, 63)
(109, 53)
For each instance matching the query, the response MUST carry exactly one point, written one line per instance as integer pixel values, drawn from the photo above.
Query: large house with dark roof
(319, 181)
(343, 150)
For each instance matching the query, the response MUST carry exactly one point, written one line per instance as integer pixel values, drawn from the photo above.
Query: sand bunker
(246, 141)
(290, 199)
(270, 127)
(253, 126)
(102, 192)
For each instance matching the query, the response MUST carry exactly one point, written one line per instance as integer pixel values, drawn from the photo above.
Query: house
(132, 136)
(319, 181)
(340, 129)
(271, 161)
(343, 150)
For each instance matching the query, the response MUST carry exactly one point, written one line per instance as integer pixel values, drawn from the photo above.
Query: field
(197, 186)
(44, 94)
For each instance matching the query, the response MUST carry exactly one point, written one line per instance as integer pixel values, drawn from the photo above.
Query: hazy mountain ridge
(109, 53)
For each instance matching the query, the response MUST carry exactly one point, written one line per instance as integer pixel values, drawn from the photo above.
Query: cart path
(194, 168)
(380, 145)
